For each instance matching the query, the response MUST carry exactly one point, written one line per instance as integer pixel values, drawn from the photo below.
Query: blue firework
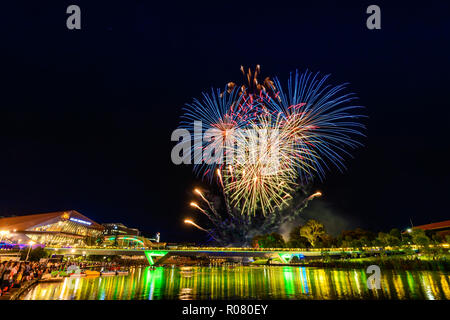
(322, 116)
(221, 110)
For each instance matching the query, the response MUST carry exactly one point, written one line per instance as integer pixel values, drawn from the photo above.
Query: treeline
(313, 235)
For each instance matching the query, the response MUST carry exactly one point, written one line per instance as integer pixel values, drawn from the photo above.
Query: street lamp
(29, 248)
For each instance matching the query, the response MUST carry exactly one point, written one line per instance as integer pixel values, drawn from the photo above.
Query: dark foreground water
(247, 283)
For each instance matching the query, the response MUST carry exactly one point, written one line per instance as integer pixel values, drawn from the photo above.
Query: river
(265, 282)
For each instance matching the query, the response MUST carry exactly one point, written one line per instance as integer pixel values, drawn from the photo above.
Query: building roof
(118, 224)
(114, 224)
(21, 223)
(435, 226)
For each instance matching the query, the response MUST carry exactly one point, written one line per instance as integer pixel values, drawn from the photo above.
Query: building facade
(119, 229)
(54, 228)
(441, 228)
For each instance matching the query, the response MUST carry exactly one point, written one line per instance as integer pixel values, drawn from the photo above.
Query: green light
(149, 254)
(288, 280)
(127, 238)
(285, 257)
(133, 239)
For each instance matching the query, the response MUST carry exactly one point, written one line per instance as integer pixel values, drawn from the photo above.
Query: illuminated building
(117, 234)
(441, 228)
(119, 229)
(54, 228)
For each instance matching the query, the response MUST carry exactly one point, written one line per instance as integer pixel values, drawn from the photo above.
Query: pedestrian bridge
(157, 256)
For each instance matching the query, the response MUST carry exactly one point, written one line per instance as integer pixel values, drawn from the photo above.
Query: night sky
(86, 115)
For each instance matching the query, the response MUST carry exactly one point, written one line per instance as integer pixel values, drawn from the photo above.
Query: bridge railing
(183, 248)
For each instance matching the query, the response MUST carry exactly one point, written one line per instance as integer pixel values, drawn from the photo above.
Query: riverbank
(390, 263)
(15, 293)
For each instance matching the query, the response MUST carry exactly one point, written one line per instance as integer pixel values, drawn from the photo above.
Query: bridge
(158, 256)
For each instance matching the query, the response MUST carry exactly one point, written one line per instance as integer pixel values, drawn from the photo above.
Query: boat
(92, 273)
(52, 279)
(122, 273)
(186, 269)
(108, 273)
(73, 275)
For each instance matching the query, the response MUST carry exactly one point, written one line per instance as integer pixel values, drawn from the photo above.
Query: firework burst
(221, 112)
(279, 138)
(321, 119)
(263, 171)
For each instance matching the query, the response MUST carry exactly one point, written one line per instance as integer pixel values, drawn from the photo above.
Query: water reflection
(246, 283)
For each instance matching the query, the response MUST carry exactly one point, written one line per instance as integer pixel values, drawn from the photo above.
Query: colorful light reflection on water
(246, 283)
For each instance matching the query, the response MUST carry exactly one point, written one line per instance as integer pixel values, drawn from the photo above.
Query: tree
(272, 240)
(382, 239)
(313, 231)
(99, 240)
(296, 240)
(406, 239)
(344, 241)
(387, 239)
(419, 237)
(437, 238)
(395, 237)
(35, 254)
(355, 238)
(356, 243)
(395, 233)
(447, 238)
(326, 241)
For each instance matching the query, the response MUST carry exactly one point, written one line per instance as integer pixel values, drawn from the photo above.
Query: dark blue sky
(86, 116)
